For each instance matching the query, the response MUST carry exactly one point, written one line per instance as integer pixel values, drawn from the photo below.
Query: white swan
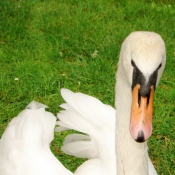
(141, 64)
(24, 146)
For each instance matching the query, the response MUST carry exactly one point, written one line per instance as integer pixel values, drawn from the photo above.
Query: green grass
(48, 45)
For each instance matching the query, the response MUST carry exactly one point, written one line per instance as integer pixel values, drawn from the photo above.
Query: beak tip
(140, 137)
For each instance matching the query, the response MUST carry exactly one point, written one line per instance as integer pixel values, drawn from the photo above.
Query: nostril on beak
(140, 137)
(139, 98)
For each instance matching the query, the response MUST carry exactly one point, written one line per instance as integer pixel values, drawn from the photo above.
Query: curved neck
(132, 157)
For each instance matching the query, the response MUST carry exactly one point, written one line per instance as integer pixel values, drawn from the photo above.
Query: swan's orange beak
(141, 115)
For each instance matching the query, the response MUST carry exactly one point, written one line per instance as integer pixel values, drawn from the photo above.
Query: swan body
(24, 146)
(141, 64)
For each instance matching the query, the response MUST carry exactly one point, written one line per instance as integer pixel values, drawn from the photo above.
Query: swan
(25, 144)
(141, 64)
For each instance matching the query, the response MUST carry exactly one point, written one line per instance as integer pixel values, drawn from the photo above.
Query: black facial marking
(140, 137)
(159, 66)
(132, 63)
(138, 78)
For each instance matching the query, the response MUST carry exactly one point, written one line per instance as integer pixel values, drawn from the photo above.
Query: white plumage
(90, 116)
(25, 144)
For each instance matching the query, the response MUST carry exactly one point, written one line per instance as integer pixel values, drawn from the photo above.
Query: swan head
(143, 57)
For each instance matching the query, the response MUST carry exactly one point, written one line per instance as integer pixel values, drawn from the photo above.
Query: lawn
(49, 44)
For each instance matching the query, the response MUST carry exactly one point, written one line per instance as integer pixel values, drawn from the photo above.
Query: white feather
(90, 116)
(24, 146)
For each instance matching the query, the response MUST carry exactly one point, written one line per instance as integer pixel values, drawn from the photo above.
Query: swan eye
(132, 63)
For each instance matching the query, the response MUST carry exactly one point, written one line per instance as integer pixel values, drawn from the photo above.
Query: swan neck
(132, 157)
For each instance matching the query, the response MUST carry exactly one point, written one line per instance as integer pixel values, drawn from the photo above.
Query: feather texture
(90, 116)
(25, 144)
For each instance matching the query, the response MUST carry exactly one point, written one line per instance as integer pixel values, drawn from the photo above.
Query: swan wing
(90, 116)
(83, 113)
(24, 146)
(79, 145)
